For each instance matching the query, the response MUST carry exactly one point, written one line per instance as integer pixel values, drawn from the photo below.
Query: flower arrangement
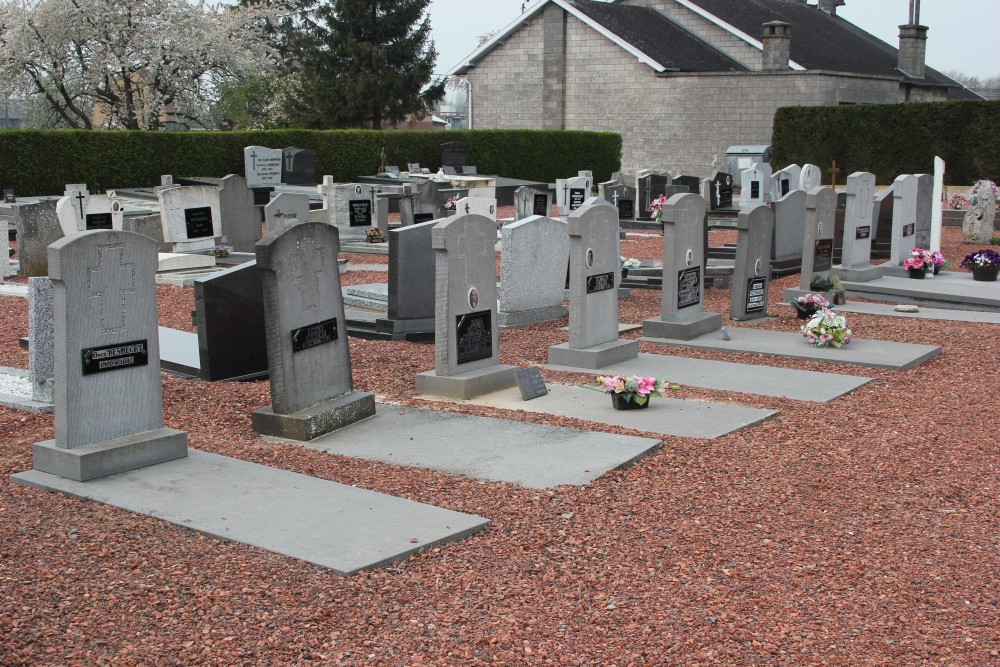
(629, 263)
(958, 201)
(807, 305)
(635, 389)
(827, 329)
(981, 259)
(656, 207)
(221, 250)
(374, 235)
(937, 259)
(920, 260)
(451, 203)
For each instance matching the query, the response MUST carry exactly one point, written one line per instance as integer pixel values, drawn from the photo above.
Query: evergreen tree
(364, 64)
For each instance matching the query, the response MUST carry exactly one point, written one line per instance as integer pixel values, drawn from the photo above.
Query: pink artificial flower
(646, 386)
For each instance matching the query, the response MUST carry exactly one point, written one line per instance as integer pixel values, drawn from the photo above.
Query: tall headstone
(817, 244)
(41, 339)
(190, 217)
(307, 347)
(649, 187)
(240, 221)
(721, 193)
(530, 201)
(286, 208)
(298, 166)
(784, 181)
(859, 229)
(683, 298)
(977, 227)
(466, 334)
(752, 271)
(571, 193)
(107, 391)
(623, 198)
(904, 218)
(595, 273)
(925, 203)
(411, 289)
(37, 227)
(453, 154)
(937, 210)
(810, 177)
(789, 230)
(533, 258)
(755, 185)
(262, 166)
(79, 211)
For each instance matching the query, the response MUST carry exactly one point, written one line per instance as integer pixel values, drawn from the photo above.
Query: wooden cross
(833, 171)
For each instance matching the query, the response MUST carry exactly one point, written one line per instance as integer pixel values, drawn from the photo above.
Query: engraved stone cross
(110, 281)
(308, 282)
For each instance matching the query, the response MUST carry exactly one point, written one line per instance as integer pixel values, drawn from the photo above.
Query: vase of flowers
(628, 263)
(938, 261)
(633, 393)
(656, 208)
(449, 206)
(374, 235)
(221, 250)
(918, 263)
(827, 329)
(984, 264)
(806, 306)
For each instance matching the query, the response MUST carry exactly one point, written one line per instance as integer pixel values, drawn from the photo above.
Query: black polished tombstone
(453, 154)
(692, 183)
(721, 191)
(298, 166)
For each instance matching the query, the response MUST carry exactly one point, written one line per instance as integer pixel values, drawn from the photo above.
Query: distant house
(11, 118)
(682, 80)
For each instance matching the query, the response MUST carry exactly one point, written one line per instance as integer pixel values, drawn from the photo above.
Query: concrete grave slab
(922, 313)
(948, 289)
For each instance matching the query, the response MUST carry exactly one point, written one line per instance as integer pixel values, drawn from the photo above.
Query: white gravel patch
(13, 289)
(15, 385)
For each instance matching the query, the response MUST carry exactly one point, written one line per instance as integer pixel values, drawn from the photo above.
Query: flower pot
(624, 274)
(803, 312)
(619, 402)
(917, 274)
(986, 274)
(937, 270)
(839, 297)
(379, 240)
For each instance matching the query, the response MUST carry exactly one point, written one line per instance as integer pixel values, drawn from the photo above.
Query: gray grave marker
(41, 339)
(789, 230)
(811, 177)
(817, 244)
(571, 193)
(532, 201)
(859, 229)
(925, 202)
(785, 181)
(755, 185)
(240, 221)
(753, 264)
(285, 209)
(531, 383)
(190, 217)
(904, 218)
(262, 166)
(37, 227)
(533, 257)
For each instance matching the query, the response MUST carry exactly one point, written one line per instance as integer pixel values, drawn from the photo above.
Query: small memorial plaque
(541, 205)
(909, 230)
(314, 334)
(115, 357)
(689, 287)
(754, 189)
(862, 233)
(600, 282)
(530, 382)
(448, 171)
(576, 198)
(626, 209)
(99, 221)
(198, 222)
(786, 186)
(755, 294)
(422, 217)
(360, 212)
(474, 336)
(823, 256)
(8, 196)
(469, 170)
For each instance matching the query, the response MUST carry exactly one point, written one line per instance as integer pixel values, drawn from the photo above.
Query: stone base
(864, 274)
(388, 326)
(111, 456)
(171, 261)
(317, 419)
(686, 329)
(525, 318)
(467, 385)
(595, 356)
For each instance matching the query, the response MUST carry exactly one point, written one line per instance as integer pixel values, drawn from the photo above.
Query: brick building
(682, 80)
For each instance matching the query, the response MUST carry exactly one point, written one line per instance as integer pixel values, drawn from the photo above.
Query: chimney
(777, 46)
(830, 6)
(913, 44)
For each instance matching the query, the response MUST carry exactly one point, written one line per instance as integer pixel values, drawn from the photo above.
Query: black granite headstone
(453, 154)
(229, 316)
(721, 191)
(299, 166)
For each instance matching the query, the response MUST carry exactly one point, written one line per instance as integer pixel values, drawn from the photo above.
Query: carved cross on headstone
(566, 194)
(466, 207)
(473, 254)
(80, 198)
(833, 171)
(253, 160)
(111, 281)
(308, 281)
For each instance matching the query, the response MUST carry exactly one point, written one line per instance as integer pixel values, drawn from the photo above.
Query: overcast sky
(964, 34)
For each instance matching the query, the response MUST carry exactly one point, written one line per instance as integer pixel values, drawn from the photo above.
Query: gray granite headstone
(789, 227)
(817, 243)
(262, 166)
(240, 220)
(478, 206)
(533, 258)
(107, 391)
(859, 228)
(530, 201)
(755, 185)
(904, 218)
(595, 273)
(309, 358)
(785, 181)
(752, 272)
(925, 202)
(190, 217)
(466, 334)
(683, 298)
(286, 208)
(37, 227)
(149, 226)
(411, 280)
(353, 208)
(5, 247)
(41, 339)
(81, 211)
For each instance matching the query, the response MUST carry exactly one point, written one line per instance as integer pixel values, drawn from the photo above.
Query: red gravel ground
(859, 532)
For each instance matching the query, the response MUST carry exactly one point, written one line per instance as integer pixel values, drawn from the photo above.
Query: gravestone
(286, 208)
(925, 204)
(427, 203)
(904, 218)
(589, 175)
(648, 188)
(622, 197)
(859, 229)
(37, 227)
(107, 392)
(353, 208)
(937, 209)
(413, 168)
(977, 226)
(469, 170)
(882, 211)
(602, 187)
(466, 334)
(41, 339)
(810, 177)
(166, 181)
(530, 201)
(262, 166)
(595, 273)
(190, 217)
(79, 211)
(683, 298)
(786, 180)
(533, 258)
(410, 305)
(5, 258)
(721, 193)
(393, 171)
(752, 272)
(453, 154)
(817, 244)
(755, 185)
(789, 230)
(240, 221)
(448, 170)
(307, 348)
(478, 206)
(298, 166)
(692, 183)
(150, 226)
(571, 193)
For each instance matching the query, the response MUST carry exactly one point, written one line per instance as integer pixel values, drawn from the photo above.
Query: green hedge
(892, 139)
(41, 162)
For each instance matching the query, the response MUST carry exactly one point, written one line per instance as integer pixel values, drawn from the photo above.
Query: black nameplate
(754, 189)
(600, 282)
(422, 217)
(530, 382)
(823, 256)
(626, 209)
(576, 197)
(199, 222)
(115, 357)
(862, 233)
(910, 229)
(8, 196)
(474, 336)
(541, 205)
(360, 212)
(755, 295)
(689, 287)
(314, 334)
(98, 221)
(786, 186)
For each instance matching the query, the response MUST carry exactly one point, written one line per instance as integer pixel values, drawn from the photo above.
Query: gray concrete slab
(531, 455)
(333, 525)
(887, 310)
(861, 352)
(743, 378)
(14, 289)
(668, 416)
(948, 289)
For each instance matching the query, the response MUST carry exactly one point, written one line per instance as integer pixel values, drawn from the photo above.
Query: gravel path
(861, 532)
